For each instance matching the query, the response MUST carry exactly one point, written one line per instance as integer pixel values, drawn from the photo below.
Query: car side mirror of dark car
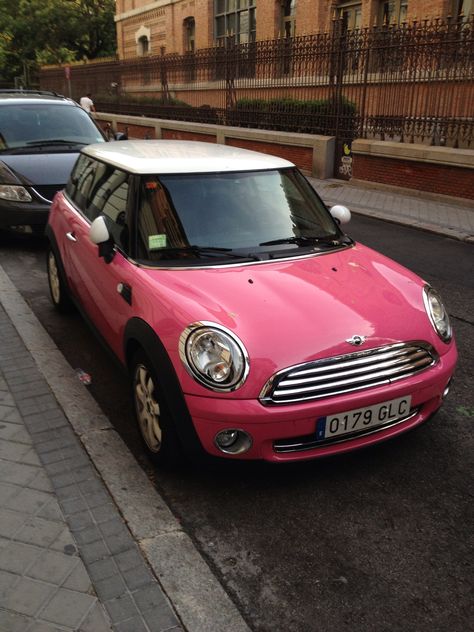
(99, 234)
(120, 136)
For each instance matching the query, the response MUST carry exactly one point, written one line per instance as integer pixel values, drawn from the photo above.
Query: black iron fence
(408, 83)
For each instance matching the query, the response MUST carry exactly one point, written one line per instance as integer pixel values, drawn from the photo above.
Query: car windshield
(221, 215)
(31, 126)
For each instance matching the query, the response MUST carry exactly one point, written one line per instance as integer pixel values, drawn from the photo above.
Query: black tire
(57, 288)
(152, 413)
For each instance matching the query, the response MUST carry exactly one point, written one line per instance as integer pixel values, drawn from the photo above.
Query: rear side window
(110, 200)
(80, 181)
(99, 189)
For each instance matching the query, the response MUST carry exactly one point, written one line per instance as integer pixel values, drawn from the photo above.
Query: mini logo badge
(356, 340)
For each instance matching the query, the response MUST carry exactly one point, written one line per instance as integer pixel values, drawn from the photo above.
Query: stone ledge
(417, 153)
(323, 147)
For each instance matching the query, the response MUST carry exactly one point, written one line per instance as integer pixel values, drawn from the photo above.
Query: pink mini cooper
(251, 326)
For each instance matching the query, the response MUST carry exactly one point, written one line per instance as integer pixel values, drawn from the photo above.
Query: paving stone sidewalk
(451, 219)
(67, 559)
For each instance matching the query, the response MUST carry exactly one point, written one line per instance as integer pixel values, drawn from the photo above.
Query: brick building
(154, 27)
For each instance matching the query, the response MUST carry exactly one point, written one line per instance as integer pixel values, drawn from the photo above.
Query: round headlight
(437, 313)
(214, 356)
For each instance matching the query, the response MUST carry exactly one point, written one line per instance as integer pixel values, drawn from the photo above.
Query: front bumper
(270, 427)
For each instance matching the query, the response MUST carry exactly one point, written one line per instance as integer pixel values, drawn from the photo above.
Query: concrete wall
(440, 170)
(314, 155)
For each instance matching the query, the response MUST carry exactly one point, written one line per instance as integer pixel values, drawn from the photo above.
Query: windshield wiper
(53, 141)
(302, 241)
(208, 250)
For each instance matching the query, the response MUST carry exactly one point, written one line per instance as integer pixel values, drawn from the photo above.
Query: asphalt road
(379, 540)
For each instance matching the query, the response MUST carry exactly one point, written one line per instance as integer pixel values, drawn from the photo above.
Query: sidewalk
(86, 542)
(67, 560)
(451, 219)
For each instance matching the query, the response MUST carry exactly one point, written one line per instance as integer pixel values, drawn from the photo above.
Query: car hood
(294, 311)
(41, 168)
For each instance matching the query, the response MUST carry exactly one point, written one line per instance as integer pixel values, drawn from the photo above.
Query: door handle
(71, 236)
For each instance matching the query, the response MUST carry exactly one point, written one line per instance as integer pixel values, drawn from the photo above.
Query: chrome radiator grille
(347, 373)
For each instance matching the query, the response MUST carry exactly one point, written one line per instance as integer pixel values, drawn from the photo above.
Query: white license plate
(363, 418)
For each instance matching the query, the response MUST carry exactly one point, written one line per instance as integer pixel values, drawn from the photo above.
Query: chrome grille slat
(363, 369)
(352, 372)
(367, 359)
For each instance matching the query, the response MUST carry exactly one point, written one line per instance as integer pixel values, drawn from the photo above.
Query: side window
(93, 205)
(110, 199)
(80, 181)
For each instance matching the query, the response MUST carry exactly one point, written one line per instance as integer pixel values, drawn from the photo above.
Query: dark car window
(234, 211)
(158, 226)
(99, 189)
(80, 182)
(24, 124)
(111, 198)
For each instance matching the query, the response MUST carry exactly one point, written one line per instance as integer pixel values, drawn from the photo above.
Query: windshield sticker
(156, 241)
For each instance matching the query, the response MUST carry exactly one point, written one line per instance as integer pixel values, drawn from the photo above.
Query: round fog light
(233, 441)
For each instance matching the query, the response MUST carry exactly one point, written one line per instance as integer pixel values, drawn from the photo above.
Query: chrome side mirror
(340, 213)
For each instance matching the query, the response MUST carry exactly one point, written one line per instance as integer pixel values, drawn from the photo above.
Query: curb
(197, 596)
(436, 229)
(452, 233)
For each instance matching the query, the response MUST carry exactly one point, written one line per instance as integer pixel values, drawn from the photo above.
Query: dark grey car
(41, 134)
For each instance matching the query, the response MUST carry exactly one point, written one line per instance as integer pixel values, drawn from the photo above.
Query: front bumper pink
(267, 424)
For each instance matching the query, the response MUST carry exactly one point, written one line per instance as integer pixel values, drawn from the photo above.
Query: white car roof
(178, 156)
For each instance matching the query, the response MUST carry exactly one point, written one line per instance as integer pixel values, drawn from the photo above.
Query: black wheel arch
(139, 335)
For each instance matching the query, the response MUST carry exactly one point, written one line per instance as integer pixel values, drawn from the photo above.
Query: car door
(101, 287)
(67, 213)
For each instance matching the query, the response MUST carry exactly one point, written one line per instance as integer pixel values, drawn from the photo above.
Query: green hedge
(140, 100)
(317, 116)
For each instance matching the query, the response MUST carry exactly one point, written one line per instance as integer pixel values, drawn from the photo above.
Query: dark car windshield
(33, 125)
(180, 216)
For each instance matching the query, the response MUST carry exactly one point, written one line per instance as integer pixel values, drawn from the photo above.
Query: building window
(288, 15)
(351, 15)
(463, 9)
(235, 19)
(143, 46)
(189, 34)
(142, 38)
(393, 11)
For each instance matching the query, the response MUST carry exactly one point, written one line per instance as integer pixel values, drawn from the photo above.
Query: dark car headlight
(14, 193)
(437, 313)
(214, 356)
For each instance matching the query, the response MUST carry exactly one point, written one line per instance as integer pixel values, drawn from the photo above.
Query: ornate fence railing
(409, 83)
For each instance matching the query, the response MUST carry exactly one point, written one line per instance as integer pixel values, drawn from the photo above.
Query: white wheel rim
(54, 278)
(148, 409)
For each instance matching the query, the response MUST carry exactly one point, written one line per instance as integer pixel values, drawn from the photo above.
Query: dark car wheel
(152, 413)
(57, 289)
